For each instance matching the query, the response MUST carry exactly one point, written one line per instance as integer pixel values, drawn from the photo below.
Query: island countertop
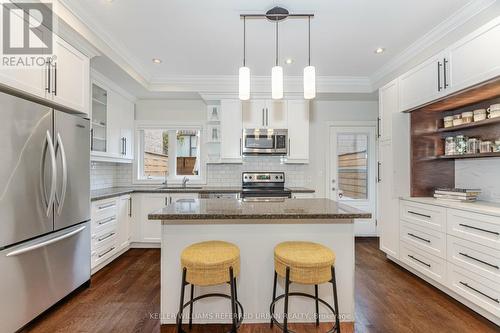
(237, 210)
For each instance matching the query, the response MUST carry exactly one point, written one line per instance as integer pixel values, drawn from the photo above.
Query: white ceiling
(204, 38)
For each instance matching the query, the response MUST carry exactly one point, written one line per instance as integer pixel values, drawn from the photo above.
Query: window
(353, 165)
(168, 153)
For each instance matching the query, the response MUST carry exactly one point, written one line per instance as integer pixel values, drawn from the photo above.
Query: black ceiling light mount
(277, 14)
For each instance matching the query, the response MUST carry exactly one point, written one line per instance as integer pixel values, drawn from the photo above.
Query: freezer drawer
(37, 274)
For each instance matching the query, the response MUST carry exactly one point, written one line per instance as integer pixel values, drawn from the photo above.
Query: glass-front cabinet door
(99, 119)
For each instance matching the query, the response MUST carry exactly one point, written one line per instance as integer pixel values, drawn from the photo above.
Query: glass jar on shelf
(496, 146)
(449, 148)
(485, 147)
(473, 145)
(461, 144)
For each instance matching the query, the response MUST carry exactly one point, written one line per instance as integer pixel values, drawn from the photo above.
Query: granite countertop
(299, 210)
(118, 191)
(481, 207)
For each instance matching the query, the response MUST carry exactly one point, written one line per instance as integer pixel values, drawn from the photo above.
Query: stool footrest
(280, 326)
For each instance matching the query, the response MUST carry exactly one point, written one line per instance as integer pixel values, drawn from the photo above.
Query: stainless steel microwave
(265, 141)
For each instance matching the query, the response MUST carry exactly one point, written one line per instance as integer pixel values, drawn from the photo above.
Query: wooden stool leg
(233, 303)
(236, 298)
(191, 308)
(181, 303)
(274, 295)
(335, 300)
(317, 304)
(285, 312)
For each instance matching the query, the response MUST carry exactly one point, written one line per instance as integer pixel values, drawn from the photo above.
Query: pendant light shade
(244, 86)
(244, 73)
(277, 82)
(309, 82)
(309, 71)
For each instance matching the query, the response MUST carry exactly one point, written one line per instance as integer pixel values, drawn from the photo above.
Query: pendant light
(244, 73)
(277, 73)
(309, 72)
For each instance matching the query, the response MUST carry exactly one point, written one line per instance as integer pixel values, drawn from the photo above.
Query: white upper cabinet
(113, 116)
(264, 114)
(472, 60)
(423, 83)
(71, 77)
(298, 131)
(388, 105)
(476, 58)
(231, 131)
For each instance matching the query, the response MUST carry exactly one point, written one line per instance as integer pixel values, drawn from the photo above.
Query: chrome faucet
(184, 181)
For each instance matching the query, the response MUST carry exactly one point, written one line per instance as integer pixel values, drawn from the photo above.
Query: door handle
(439, 76)
(48, 145)
(60, 201)
(47, 242)
(54, 91)
(378, 172)
(445, 62)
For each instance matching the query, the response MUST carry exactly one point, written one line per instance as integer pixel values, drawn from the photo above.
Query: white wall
(170, 110)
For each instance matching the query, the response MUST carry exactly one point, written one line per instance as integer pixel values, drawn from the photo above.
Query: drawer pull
(103, 254)
(109, 219)
(105, 237)
(480, 292)
(478, 260)
(419, 214)
(106, 206)
(420, 261)
(476, 228)
(417, 237)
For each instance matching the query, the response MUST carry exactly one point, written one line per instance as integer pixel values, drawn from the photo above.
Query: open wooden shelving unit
(430, 167)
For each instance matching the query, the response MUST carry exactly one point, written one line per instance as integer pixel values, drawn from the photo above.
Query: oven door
(258, 142)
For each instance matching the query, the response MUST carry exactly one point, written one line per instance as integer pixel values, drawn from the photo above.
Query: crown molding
(228, 84)
(74, 15)
(454, 21)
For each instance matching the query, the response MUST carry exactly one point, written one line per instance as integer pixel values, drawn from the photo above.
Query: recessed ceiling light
(157, 61)
(289, 61)
(379, 50)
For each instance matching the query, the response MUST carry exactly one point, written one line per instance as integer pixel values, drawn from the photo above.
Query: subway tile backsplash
(104, 175)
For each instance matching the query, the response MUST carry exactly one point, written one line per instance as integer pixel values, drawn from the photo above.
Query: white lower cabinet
(149, 231)
(303, 195)
(456, 248)
(110, 230)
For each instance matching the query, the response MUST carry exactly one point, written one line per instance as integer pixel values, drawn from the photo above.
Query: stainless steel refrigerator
(44, 208)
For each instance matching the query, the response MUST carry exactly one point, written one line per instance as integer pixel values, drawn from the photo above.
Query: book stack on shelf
(457, 194)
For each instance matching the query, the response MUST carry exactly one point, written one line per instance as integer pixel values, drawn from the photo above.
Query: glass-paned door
(99, 119)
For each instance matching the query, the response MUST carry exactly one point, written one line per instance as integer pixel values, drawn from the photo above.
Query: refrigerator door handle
(50, 147)
(60, 201)
(33, 247)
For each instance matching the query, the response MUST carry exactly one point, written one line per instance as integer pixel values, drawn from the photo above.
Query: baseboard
(480, 311)
(140, 245)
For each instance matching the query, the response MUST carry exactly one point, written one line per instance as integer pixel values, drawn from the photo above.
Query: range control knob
(281, 177)
(276, 177)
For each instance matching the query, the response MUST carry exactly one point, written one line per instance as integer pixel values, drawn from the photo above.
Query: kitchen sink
(179, 188)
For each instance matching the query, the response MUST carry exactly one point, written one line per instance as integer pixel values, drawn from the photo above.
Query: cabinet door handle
(125, 146)
(420, 261)
(378, 127)
(91, 139)
(445, 62)
(106, 206)
(378, 172)
(419, 214)
(106, 252)
(105, 237)
(439, 76)
(263, 118)
(478, 260)
(130, 207)
(289, 147)
(267, 117)
(479, 229)
(106, 221)
(479, 292)
(54, 91)
(418, 237)
(47, 89)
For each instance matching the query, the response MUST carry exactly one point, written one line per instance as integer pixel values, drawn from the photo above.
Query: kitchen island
(256, 228)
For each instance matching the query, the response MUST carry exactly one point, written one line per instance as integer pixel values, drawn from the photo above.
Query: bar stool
(207, 264)
(304, 263)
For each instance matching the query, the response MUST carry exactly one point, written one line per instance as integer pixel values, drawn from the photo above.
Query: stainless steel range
(264, 186)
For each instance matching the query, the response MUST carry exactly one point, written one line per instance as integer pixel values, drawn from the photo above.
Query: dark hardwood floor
(125, 297)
